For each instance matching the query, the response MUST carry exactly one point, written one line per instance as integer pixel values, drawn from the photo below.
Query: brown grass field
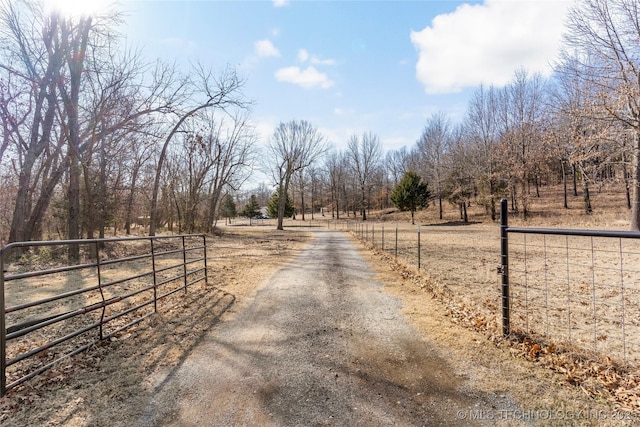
(584, 331)
(572, 290)
(575, 301)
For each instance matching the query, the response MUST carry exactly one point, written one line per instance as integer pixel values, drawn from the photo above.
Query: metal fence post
(155, 277)
(184, 263)
(383, 236)
(206, 272)
(418, 247)
(3, 332)
(504, 266)
(396, 240)
(104, 306)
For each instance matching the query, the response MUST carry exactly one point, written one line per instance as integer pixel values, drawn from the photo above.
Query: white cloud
(307, 78)
(304, 56)
(280, 3)
(318, 61)
(264, 128)
(486, 43)
(264, 48)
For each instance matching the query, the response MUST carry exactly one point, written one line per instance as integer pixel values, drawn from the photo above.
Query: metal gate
(53, 313)
(575, 287)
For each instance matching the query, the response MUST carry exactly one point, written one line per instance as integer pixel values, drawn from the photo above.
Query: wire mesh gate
(56, 312)
(575, 287)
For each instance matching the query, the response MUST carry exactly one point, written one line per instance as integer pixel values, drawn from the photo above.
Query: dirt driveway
(320, 343)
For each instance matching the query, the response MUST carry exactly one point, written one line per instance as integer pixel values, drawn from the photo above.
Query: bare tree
(315, 187)
(603, 40)
(69, 92)
(31, 67)
(300, 180)
(462, 169)
(220, 92)
(521, 119)
(231, 146)
(398, 162)
(364, 156)
(139, 155)
(578, 128)
(481, 127)
(336, 166)
(433, 146)
(73, 42)
(294, 146)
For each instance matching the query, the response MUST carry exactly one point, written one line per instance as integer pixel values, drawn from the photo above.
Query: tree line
(579, 127)
(96, 137)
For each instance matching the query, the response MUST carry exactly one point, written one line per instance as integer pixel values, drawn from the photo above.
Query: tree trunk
(283, 188)
(524, 198)
(588, 209)
(625, 177)
(312, 200)
(564, 184)
(364, 208)
(153, 216)
(134, 177)
(302, 200)
(22, 205)
(213, 209)
(493, 201)
(73, 198)
(89, 209)
(75, 62)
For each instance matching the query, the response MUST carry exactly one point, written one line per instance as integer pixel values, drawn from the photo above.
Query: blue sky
(354, 66)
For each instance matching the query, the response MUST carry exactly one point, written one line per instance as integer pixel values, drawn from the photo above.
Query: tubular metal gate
(575, 287)
(116, 286)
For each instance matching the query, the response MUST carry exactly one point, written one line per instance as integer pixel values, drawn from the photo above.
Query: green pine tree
(228, 207)
(272, 206)
(411, 194)
(252, 209)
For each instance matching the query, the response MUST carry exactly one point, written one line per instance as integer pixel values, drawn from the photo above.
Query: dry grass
(459, 272)
(575, 311)
(107, 385)
(472, 343)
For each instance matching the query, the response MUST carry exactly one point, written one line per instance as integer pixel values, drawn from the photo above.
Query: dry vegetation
(107, 385)
(459, 268)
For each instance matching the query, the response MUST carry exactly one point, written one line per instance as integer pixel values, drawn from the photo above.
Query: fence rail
(54, 313)
(578, 288)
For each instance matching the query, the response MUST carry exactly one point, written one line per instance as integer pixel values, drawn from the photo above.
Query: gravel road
(320, 343)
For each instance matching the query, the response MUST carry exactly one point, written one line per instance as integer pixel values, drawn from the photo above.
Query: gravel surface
(320, 343)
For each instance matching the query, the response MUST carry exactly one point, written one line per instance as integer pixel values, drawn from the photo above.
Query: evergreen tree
(252, 209)
(272, 206)
(411, 194)
(228, 207)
